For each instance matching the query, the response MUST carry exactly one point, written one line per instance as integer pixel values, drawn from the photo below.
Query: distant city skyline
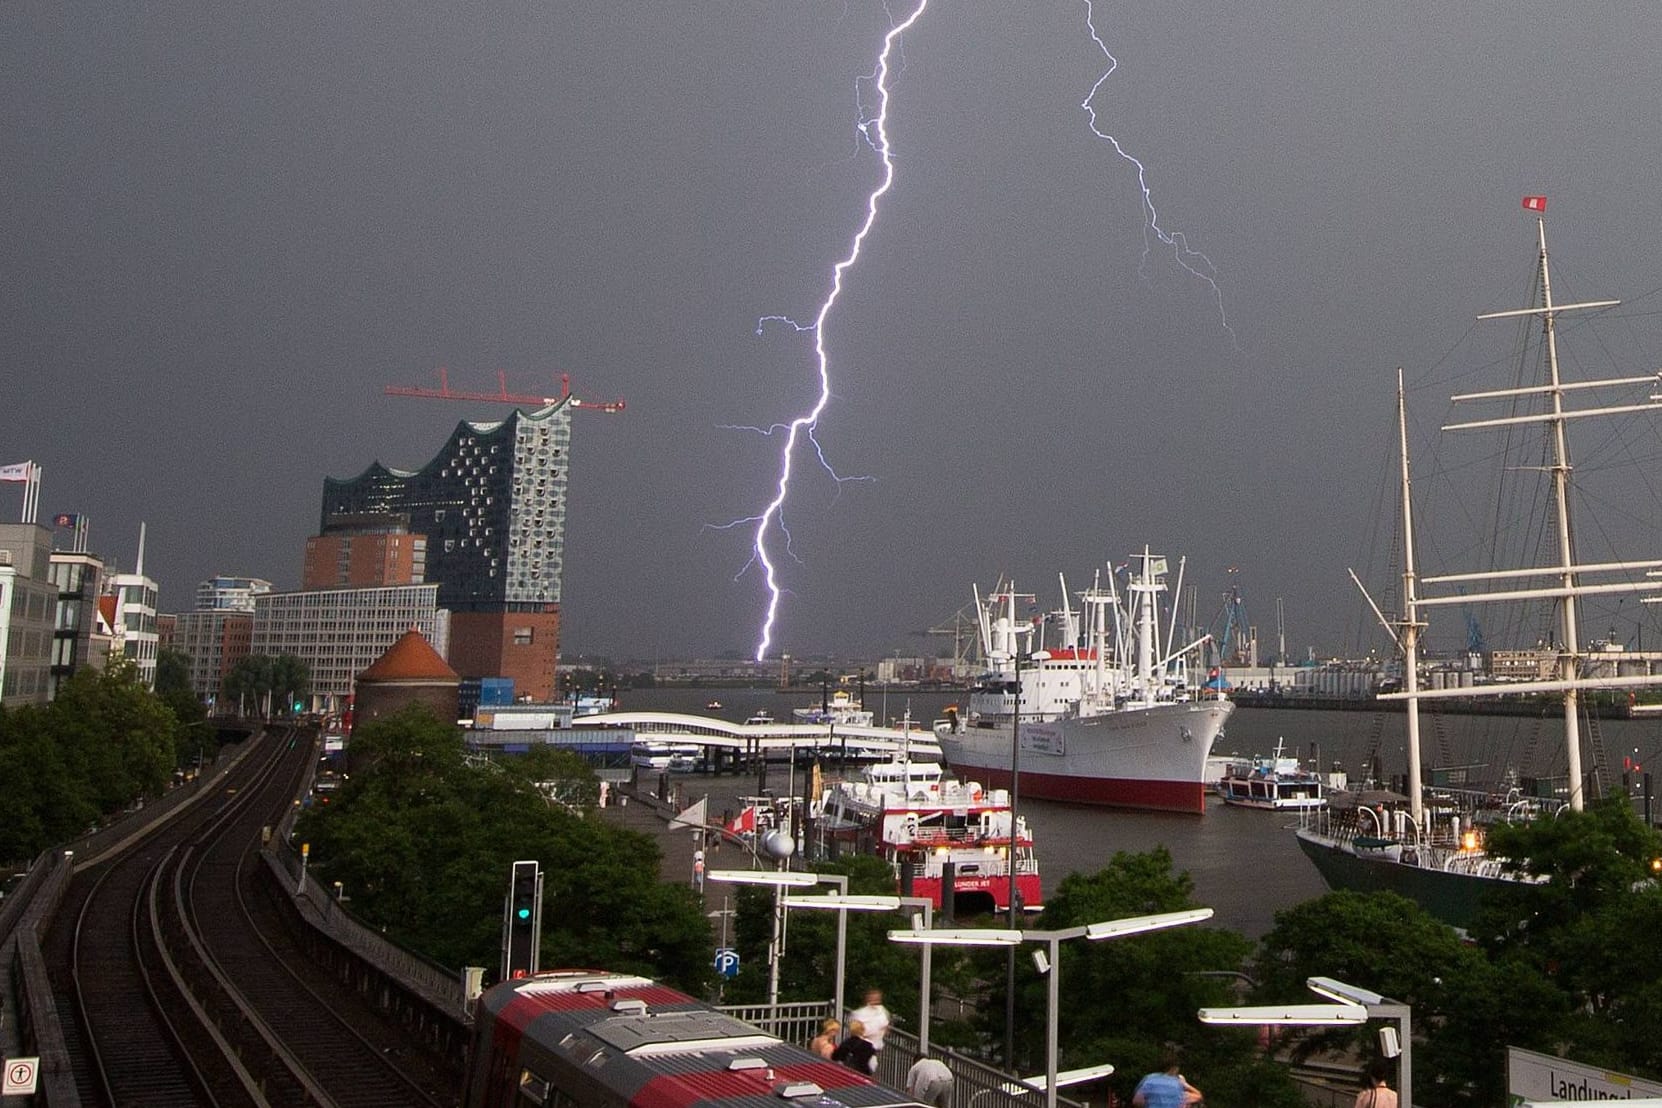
(230, 229)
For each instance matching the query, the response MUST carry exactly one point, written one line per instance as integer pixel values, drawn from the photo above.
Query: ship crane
(501, 395)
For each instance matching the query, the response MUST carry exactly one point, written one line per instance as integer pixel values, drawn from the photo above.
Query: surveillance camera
(1041, 961)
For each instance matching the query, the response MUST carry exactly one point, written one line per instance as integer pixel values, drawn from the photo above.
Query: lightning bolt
(873, 129)
(1195, 263)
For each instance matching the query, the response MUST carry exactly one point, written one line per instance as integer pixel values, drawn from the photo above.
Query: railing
(975, 1084)
(796, 1022)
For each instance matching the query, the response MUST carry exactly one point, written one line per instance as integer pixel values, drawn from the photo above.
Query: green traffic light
(525, 913)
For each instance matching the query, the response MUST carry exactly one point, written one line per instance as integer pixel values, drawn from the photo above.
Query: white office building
(338, 633)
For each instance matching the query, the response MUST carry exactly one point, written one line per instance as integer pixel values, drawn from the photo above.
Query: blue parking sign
(727, 962)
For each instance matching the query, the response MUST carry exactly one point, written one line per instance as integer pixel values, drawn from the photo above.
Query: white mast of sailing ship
(1568, 573)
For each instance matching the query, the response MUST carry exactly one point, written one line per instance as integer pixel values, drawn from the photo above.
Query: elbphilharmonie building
(492, 506)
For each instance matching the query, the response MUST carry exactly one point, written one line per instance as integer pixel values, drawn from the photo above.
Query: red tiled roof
(411, 658)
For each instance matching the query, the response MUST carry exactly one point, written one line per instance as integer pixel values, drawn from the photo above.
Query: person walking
(930, 1082)
(825, 1043)
(856, 1051)
(873, 1016)
(1377, 1094)
(1165, 1087)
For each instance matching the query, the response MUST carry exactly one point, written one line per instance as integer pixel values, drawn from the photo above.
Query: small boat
(1276, 782)
(840, 708)
(931, 828)
(712, 706)
(670, 756)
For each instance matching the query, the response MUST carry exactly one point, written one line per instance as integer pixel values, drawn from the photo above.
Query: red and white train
(588, 1038)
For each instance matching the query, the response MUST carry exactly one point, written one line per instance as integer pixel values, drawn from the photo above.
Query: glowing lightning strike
(1181, 252)
(875, 131)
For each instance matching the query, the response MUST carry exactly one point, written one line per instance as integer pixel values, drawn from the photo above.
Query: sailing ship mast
(1568, 574)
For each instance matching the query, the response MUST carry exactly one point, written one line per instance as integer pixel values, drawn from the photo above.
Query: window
(524, 635)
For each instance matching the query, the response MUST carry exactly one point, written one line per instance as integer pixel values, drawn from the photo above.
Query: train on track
(587, 1038)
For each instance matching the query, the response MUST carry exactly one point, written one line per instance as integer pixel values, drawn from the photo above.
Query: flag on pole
(21, 472)
(695, 816)
(1535, 203)
(745, 824)
(66, 519)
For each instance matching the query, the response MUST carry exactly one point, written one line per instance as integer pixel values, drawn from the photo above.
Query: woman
(825, 1043)
(856, 1052)
(1377, 1094)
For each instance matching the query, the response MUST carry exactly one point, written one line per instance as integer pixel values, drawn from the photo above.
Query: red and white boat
(926, 825)
(1107, 717)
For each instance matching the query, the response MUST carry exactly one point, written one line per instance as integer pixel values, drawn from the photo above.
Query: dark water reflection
(1245, 863)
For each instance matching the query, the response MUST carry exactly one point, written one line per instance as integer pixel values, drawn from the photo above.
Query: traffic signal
(522, 921)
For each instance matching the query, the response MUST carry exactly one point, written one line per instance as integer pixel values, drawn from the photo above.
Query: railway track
(188, 986)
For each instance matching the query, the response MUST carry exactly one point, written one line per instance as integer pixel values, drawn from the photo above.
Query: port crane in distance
(501, 395)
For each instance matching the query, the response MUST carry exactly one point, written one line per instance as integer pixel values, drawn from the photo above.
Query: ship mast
(1410, 618)
(1568, 574)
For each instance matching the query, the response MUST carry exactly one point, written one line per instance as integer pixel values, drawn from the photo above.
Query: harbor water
(1244, 862)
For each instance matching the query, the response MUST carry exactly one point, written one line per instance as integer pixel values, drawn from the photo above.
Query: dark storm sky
(227, 226)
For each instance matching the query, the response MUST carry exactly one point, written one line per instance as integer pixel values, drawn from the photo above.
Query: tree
(173, 687)
(1466, 1009)
(104, 741)
(1128, 999)
(291, 682)
(424, 844)
(247, 683)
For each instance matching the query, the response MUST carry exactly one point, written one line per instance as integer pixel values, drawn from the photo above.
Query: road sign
(727, 962)
(19, 1078)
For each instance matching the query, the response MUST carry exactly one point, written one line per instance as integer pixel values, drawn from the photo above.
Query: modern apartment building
(214, 639)
(28, 605)
(234, 594)
(81, 637)
(136, 636)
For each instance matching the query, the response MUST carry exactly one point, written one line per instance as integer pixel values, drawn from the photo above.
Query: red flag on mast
(1535, 203)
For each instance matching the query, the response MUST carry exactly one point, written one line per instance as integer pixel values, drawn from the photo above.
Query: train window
(532, 1088)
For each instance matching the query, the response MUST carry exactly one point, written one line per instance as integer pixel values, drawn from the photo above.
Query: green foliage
(173, 687)
(424, 843)
(1128, 999)
(808, 970)
(1466, 1009)
(283, 678)
(105, 741)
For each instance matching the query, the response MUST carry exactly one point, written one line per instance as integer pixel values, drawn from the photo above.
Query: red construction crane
(502, 395)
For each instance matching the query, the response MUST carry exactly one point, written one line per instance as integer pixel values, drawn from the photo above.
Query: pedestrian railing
(974, 1083)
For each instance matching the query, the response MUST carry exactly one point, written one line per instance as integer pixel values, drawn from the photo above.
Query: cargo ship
(1107, 717)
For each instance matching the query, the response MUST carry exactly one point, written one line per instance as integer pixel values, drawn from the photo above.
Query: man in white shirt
(874, 1016)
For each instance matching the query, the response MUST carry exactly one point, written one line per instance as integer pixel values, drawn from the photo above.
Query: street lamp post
(1357, 1005)
(843, 905)
(950, 936)
(1378, 1007)
(1050, 965)
(779, 881)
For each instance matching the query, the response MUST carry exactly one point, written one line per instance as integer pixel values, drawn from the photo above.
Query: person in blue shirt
(1165, 1088)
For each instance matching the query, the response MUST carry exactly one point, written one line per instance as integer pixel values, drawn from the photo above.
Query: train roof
(663, 1049)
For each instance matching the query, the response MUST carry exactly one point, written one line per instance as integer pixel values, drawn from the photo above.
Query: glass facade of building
(491, 505)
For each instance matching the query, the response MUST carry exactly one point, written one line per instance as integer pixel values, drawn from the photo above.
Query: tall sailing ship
(1429, 845)
(1109, 716)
